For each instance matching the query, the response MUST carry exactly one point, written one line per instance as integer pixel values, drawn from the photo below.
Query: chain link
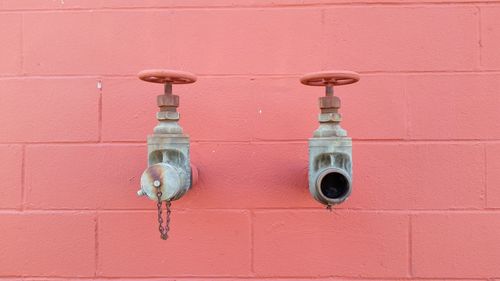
(163, 229)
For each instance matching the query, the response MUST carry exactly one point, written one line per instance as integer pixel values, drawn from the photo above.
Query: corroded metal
(167, 76)
(330, 149)
(330, 78)
(169, 167)
(165, 176)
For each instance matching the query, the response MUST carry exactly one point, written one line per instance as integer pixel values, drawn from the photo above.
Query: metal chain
(163, 229)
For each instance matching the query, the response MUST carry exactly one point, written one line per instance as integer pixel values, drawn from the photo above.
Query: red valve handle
(330, 78)
(165, 76)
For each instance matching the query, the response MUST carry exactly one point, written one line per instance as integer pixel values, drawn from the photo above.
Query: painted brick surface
(219, 47)
(97, 46)
(11, 175)
(12, 5)
(240, 279)
(490, 39)
(341, 244)
(49, 110)
(404, 176)
(467, 245)
(279, 170)
(47, 244)
(99, 177)
(460, 106)
(198, 250)
(401, 38)
(10, 27)
(74, 120)
(492, 175)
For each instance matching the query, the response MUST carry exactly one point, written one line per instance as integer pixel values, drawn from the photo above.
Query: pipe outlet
(330, 149)
(168, 179)
(169, 168)
(333, 186)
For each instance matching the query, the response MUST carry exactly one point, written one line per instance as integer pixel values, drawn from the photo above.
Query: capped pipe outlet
(169, 174)
(330, 149)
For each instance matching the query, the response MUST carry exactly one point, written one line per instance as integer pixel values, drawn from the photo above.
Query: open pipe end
(333, 186)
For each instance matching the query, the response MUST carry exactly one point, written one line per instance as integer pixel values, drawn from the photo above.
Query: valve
(169, 174)
(330, 149)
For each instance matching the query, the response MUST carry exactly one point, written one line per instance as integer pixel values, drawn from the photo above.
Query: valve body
(330, 169)
(169, 168)
(168, 160)
(330, 149)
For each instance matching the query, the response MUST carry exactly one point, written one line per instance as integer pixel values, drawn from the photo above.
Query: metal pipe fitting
(330, 150)
(169, 168)
(334, 185)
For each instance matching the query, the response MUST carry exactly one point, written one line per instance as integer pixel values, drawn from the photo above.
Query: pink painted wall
(424, 118)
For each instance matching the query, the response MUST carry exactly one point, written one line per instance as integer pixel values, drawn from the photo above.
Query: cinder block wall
(424, 119)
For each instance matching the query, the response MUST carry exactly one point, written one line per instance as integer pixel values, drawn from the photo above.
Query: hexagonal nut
(329, 102)
(167, 100)
(330, 117)
(167, 115)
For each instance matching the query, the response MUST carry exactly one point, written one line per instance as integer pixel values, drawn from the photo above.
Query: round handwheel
(330, 78)
(165, 76)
